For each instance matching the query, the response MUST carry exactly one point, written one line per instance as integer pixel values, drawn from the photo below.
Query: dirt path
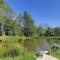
(46, 57)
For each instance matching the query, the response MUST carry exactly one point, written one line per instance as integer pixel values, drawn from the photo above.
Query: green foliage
(22, 25)
(13, 52)
(56, 53)
(49, 32)
(29, 56)
(11, 49)
(17, 54)
(26, 56)
(7, 58)
(40, 31)
(28, 25)
(10, 39)
(1, 1)
(57, 31)
(19, 31)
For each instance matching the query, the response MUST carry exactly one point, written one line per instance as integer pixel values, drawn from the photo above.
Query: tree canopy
(22, 24)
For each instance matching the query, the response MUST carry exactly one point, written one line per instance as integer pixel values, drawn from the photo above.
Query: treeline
(49, 31)
(12, 24)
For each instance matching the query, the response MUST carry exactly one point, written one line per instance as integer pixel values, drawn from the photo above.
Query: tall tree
(28, 25)
(18, 25)
(8, 26)
(5, 13)
(2, 11)
(17, 28)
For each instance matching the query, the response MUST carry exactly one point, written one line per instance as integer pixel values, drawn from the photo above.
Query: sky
(42, 11)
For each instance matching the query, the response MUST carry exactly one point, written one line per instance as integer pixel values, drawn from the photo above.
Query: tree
(18, 23)
(2, 1)
(8, 26)
(29, 28)
(2, 10)
(49, 32)
(17, 28)
(57, 31)
(41, 30)
(5, 15)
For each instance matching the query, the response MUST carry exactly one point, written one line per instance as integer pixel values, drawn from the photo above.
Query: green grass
(11, 48)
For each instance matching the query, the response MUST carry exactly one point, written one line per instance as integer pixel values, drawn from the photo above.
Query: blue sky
(42, 11)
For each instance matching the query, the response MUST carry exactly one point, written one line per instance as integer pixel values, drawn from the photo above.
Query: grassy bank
(12, 48)
(22, 48)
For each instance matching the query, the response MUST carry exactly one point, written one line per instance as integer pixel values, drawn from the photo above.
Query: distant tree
(57, 31)
(41, 30)
(18, 25)
(28, 25)
(49, 32)
(8, 26)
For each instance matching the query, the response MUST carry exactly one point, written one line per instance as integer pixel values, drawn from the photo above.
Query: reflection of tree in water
(53, 40)
(32, 44)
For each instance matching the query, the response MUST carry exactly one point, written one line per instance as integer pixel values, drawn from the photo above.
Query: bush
(56, 53)
(14, 52)
(26, 56)
(10, 39)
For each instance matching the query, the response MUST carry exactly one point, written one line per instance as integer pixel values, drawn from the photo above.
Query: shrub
(14, 52)
(56, 53)
(10, 39)
(29, 56)
(26, 56)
